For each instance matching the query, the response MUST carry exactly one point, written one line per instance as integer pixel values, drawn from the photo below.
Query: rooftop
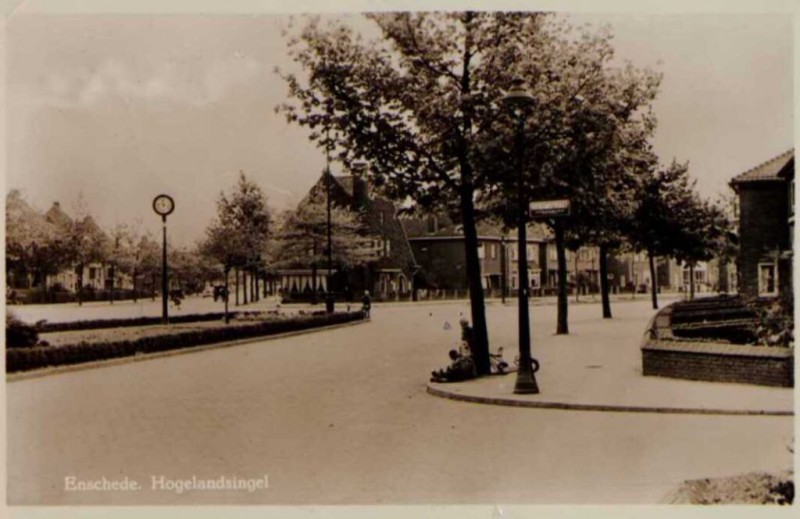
(771, 170)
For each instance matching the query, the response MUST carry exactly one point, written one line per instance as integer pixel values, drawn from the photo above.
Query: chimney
(360, 185)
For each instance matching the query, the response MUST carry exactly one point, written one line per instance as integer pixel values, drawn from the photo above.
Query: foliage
(20, 334)
(33, 245)
(86, 242)
(97, 324)
(775, 323)
(302, 240)
(189, 270)
(237, 237)
(672, 220)
(39, 357)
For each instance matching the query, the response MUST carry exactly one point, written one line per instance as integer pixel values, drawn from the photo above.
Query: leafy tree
(585, 139)
(416, 104)
(303, 238)
(611, 148)
(701, 233)
(147, 262)
(237, 237)
(189, 270)
(34, 246)
(86, 243)
(728, 247)
(671, 220)
(123, 254)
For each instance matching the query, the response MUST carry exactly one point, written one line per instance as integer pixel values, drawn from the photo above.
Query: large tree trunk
(653, 278)
(577, 278)
(314, 276)
(604, 288)
(244, 286)
(722, 284)
(227, 295)
(691, 281)
(480, 350)
(562, 327)
(80, 285)
(134, 284)
(236, 284)
(111, 292)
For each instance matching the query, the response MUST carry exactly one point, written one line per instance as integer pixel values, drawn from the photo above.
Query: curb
(57, 370)
(435, 391)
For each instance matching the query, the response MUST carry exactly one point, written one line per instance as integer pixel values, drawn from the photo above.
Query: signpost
(549, 209)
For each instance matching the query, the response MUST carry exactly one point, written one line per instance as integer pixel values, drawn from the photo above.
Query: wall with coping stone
(710, 361)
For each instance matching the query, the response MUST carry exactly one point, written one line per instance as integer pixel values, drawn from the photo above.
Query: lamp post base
(526, 384)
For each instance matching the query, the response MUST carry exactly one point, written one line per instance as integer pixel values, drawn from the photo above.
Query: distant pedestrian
(177, 297)
(366, 303)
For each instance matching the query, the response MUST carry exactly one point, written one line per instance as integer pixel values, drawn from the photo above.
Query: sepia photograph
(382, 254)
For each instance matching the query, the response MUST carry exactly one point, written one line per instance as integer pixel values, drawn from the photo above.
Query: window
(493, 248)
(767, 279)
(481, 251)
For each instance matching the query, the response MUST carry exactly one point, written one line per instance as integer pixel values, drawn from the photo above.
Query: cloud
(113, 79)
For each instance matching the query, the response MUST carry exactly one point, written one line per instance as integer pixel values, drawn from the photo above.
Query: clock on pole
(164, 205)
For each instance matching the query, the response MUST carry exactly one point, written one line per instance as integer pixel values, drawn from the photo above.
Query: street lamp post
(518, 100)
(329, 298)
(164, 205)
(503, 268)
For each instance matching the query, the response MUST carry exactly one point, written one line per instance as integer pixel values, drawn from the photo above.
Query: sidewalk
(594, 372)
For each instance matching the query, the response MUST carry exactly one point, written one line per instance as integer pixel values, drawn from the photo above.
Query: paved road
(342, 417)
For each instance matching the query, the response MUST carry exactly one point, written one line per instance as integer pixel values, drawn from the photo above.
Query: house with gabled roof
(388, 274)
(766, 227)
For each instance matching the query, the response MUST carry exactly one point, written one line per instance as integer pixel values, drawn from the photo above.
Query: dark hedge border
(710, 310)
(25, 359)
(96, 324)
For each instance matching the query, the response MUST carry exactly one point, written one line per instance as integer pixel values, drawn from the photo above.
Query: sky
(123, 107)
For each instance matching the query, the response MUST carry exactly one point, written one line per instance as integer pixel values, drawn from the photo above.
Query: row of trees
(38, 248)
(247, 239)
(422, 104)
(244, 239)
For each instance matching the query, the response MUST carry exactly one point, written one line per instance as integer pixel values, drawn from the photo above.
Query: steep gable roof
(772, 170)
(58, 217)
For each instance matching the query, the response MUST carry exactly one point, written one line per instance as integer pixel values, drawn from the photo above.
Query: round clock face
(163, 204)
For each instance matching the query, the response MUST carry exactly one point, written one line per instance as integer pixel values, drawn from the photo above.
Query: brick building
(766, 226)
(438, 246)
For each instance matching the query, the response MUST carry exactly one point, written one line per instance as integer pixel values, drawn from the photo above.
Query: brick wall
(763, 229)
(719, 363)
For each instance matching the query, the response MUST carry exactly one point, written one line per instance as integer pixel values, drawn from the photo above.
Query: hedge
(42, 356)
(95, 324)
(50, 296)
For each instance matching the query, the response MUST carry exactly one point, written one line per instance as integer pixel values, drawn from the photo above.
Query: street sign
(549, 208)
